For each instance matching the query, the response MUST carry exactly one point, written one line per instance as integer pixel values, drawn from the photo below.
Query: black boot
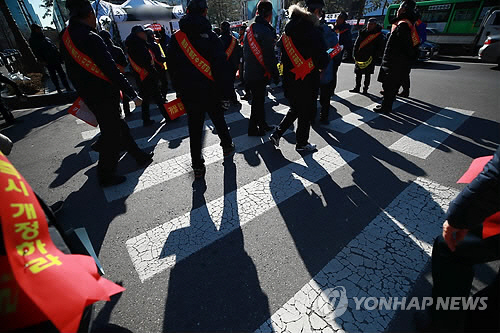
(355, 90)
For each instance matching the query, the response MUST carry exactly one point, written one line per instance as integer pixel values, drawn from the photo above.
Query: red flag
(474, 169)
(80, 110)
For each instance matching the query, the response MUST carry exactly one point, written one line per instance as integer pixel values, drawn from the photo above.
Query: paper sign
(80, 110)
(175, 108)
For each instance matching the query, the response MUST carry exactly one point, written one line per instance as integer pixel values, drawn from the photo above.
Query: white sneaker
(308, 147)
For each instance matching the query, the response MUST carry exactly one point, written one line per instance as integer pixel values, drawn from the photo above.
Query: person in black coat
(400, 53)
(343, 29)
(121, 62)
(159, 60)
(233, 52)
(147, 76)
(367, 49)
(100, 90)
(6, 113)
(200, 92)
(465, 243)
(257, 75)
(48, 55)
(302, 90)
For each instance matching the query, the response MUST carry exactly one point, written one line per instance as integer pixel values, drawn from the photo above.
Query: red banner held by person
(175, 108)
(80, 110)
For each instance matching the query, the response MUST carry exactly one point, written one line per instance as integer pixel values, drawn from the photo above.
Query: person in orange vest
(400, 53)
(261, 65)
(304, 55)
(201, 78)
(343, 29)
(98, 82)
(233, 53)
(471, 235)
(142, 62)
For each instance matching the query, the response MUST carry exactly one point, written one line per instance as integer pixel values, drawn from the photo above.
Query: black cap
(264, 8)
(137, 28)
(225, 26)
(197, 5)
(79, 8)
(408, 5)
(372, 20)
(35, 26)
(313, 4)
(343, 15)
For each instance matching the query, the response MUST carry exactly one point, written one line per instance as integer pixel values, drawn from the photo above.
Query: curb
(458, 58)
(35, 101)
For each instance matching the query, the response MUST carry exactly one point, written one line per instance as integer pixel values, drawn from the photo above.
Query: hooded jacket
(188, 81)
(306, 34)
(44, 49)
(265, 35)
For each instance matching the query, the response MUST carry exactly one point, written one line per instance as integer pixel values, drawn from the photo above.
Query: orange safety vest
(40, 282)
(369, 39)
(81, 58)
(196, 59)
(143, 73)
(414, 34)
(256, 50)
(301, 67)
(231, 47)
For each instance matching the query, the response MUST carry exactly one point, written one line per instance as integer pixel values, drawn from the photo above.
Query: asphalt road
(272, 229)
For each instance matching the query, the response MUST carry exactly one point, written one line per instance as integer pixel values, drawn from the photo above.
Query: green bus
(450, 21)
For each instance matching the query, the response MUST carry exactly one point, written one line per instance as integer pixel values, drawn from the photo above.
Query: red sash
(41, 282)
(196, 59)
(120, 68)
(231, 47)
(143, 73)
(175, 108)
(81, 58)
(301, 67)
(369, 39)
(256, 50)
(335, 50)
(340, 32)
(491, 225)
(414, 34)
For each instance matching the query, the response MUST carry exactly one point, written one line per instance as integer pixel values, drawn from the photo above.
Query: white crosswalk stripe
(163, 246)
(384, 260)
(424, 139)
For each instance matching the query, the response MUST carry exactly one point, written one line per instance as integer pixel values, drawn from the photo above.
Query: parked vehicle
(490, 51)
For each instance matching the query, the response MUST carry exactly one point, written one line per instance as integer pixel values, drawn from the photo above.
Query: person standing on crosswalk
(304, 55)
(201, 78)
(160, 62)
(260, 65)
(98, 82)
(121, 62)
(367, 49)
(400, 53)
(142, 62)
(233, 53)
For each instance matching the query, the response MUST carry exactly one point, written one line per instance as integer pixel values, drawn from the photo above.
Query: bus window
(463, 19)
(436, 16)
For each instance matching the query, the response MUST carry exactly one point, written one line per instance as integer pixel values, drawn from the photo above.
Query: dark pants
(326, 92)
(150, 92)
(258, 115)
(6, 113)
(391, 84)
(126, 104)
(55, 70)
(196, 118)
(452, 272)
(406, 83)
(115, 135)
(163, 84)
(302, 108)
(234, 98)
(359, 77)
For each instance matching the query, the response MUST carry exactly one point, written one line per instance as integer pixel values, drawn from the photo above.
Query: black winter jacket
(399, 51)
(89, 87)
(345, 37)
(234, 59)
(479, 200)
(138, 50)
(373, 49)
(188, 81)
(307, 36)
(265, 35)
(44, 49)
